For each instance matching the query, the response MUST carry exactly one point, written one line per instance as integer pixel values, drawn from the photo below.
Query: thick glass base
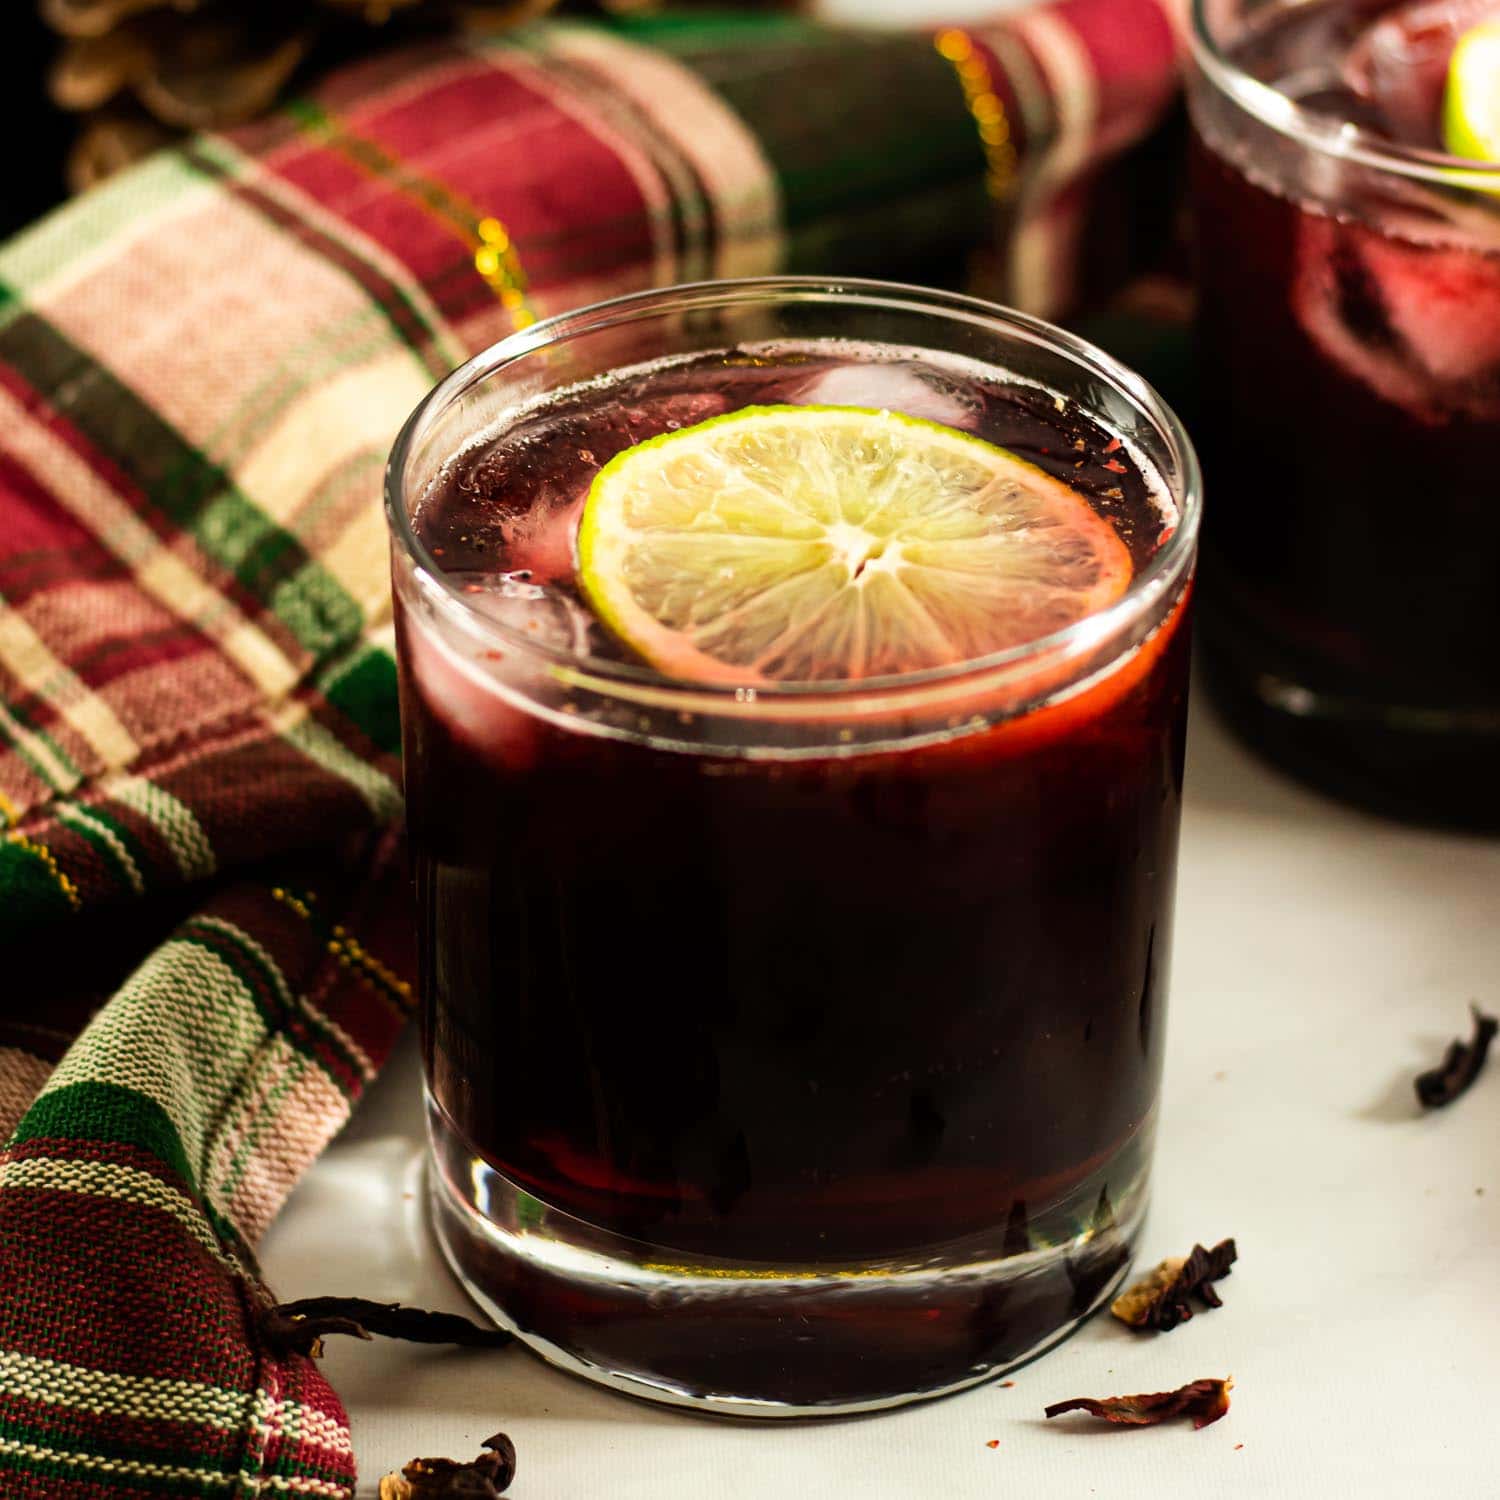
(1422, 765)
(764, 1340)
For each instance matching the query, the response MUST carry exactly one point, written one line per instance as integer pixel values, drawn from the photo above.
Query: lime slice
(831, 543)
(1471, 101)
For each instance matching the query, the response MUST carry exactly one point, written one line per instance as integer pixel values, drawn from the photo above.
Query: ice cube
(1445, 305)
(542, 614)
(459, 693)
(680, 409)
(629, 419)
(896, 385)
(1418, 322)
(1399, 63)
(539, 541)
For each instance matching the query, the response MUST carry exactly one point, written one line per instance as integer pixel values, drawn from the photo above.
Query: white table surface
(1322, 959)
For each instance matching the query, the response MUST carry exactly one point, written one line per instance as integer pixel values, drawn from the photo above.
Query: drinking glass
(1349, 337)
(794, 1050)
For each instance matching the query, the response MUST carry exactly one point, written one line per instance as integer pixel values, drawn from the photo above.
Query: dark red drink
(1350, 343)
(841, 1030)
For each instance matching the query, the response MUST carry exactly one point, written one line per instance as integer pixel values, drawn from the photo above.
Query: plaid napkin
(202, 365)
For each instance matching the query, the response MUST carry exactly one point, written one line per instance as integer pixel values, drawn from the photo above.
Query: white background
(1323, 958)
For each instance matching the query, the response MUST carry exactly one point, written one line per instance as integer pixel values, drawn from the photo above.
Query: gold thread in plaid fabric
(495, 257)
(496, 260)
(43, 854)
(302, 905)
(346, 949)
(352, 954)
(986, 107)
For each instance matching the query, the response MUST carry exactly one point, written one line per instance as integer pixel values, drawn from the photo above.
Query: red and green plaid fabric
(202, 365)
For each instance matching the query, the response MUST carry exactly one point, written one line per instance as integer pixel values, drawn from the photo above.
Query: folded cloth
(202, 366)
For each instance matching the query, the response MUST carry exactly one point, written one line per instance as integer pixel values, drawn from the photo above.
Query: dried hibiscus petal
(300, 1327)
(1460, 1066)
(485, 1478)
(1204, 1401)
(1160, 1301)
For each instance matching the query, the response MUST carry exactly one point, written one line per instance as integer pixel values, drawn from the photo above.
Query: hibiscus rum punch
(793, 683)
(1349, 336)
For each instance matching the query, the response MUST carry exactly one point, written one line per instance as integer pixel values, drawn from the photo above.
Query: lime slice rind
(1471, 98)
(818, 544)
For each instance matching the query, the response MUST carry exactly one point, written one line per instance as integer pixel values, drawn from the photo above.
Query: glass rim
(1159, 580)
(1322, 133)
